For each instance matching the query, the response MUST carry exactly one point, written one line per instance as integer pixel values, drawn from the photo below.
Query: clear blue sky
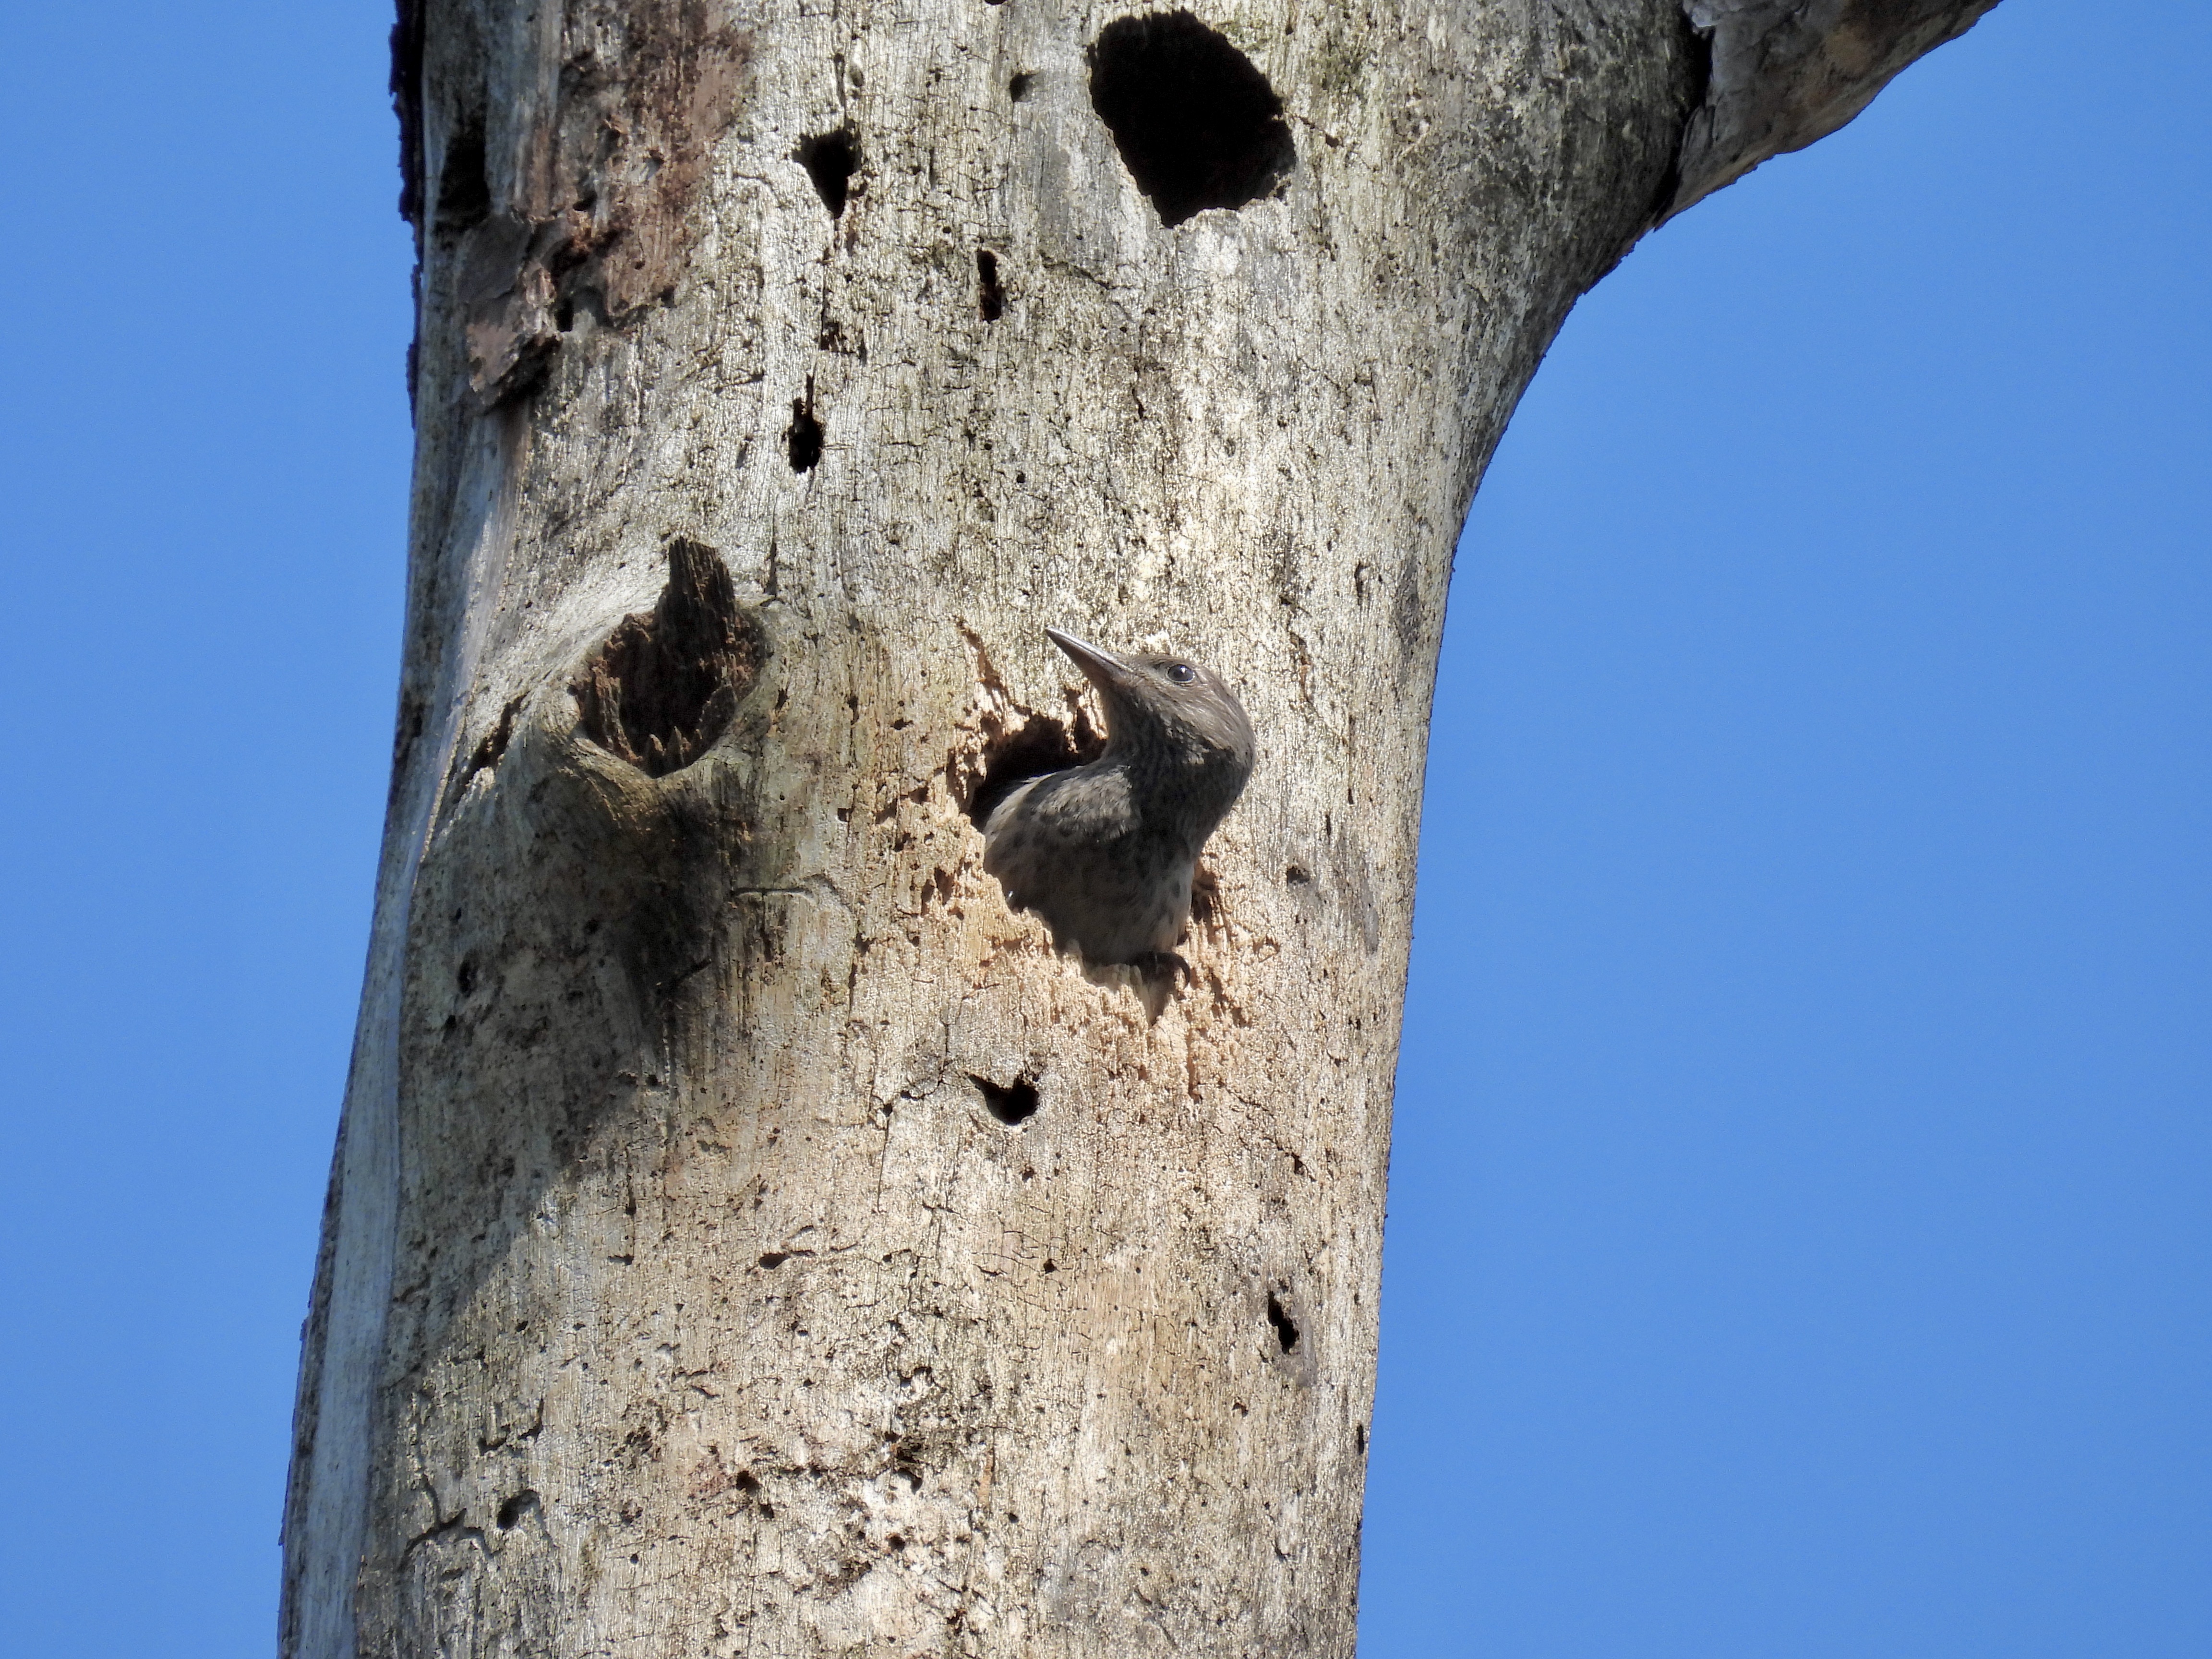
(1802, 1212)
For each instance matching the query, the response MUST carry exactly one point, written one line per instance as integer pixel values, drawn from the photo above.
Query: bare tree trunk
(745, 1235)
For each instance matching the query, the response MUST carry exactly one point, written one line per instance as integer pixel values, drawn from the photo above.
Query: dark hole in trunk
(992, 300)
(830, 159)
(1196, 122)
(1012, 1103)
(803, 437)
(464, 184)
(1042, 744)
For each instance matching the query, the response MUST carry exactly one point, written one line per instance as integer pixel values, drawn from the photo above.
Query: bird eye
(1181, 672)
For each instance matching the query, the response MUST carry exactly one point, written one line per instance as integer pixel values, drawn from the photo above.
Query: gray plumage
(1104, 852)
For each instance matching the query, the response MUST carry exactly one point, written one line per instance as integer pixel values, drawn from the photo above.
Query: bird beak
(1101, 669)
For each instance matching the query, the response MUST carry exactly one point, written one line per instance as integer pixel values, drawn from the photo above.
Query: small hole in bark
(745, 1481)
(1297, 875)
(667, 682)
(803, 438)
(1013, 1104)
(830, 159)
(1039, 745)
(1286, 1328)
(1359, 1437)
(1052, 1266)
(1196, 123)
(992, 302)
(1019, 87)
(896, 1541)
(773, 1259)
(523, 1503)
(466, 977)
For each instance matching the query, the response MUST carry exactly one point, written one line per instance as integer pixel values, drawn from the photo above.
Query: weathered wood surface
(1786, 72)
(745, 1236)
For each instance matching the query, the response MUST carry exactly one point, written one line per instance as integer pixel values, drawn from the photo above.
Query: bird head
(1168, 709)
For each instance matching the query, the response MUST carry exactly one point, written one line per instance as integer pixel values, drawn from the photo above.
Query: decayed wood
(746, 1236)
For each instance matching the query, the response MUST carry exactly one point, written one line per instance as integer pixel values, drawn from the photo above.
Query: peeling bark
(746, 1236)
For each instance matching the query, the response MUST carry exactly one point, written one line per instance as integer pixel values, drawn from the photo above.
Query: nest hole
(1196, 122)
(1286, 1328)
(1040, 744)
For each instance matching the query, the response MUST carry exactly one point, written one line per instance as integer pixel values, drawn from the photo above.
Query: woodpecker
(1104, 852)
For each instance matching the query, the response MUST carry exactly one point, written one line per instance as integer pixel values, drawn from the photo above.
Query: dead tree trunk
(745, 1236)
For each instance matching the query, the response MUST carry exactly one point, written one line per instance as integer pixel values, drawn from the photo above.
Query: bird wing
(999, 836)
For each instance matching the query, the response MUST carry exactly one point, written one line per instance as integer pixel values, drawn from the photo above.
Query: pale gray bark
(746, 1236)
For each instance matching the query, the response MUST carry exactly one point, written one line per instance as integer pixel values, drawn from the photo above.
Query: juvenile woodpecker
(1104, 852)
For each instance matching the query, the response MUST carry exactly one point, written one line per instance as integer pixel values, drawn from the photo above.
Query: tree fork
(745, 1235)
